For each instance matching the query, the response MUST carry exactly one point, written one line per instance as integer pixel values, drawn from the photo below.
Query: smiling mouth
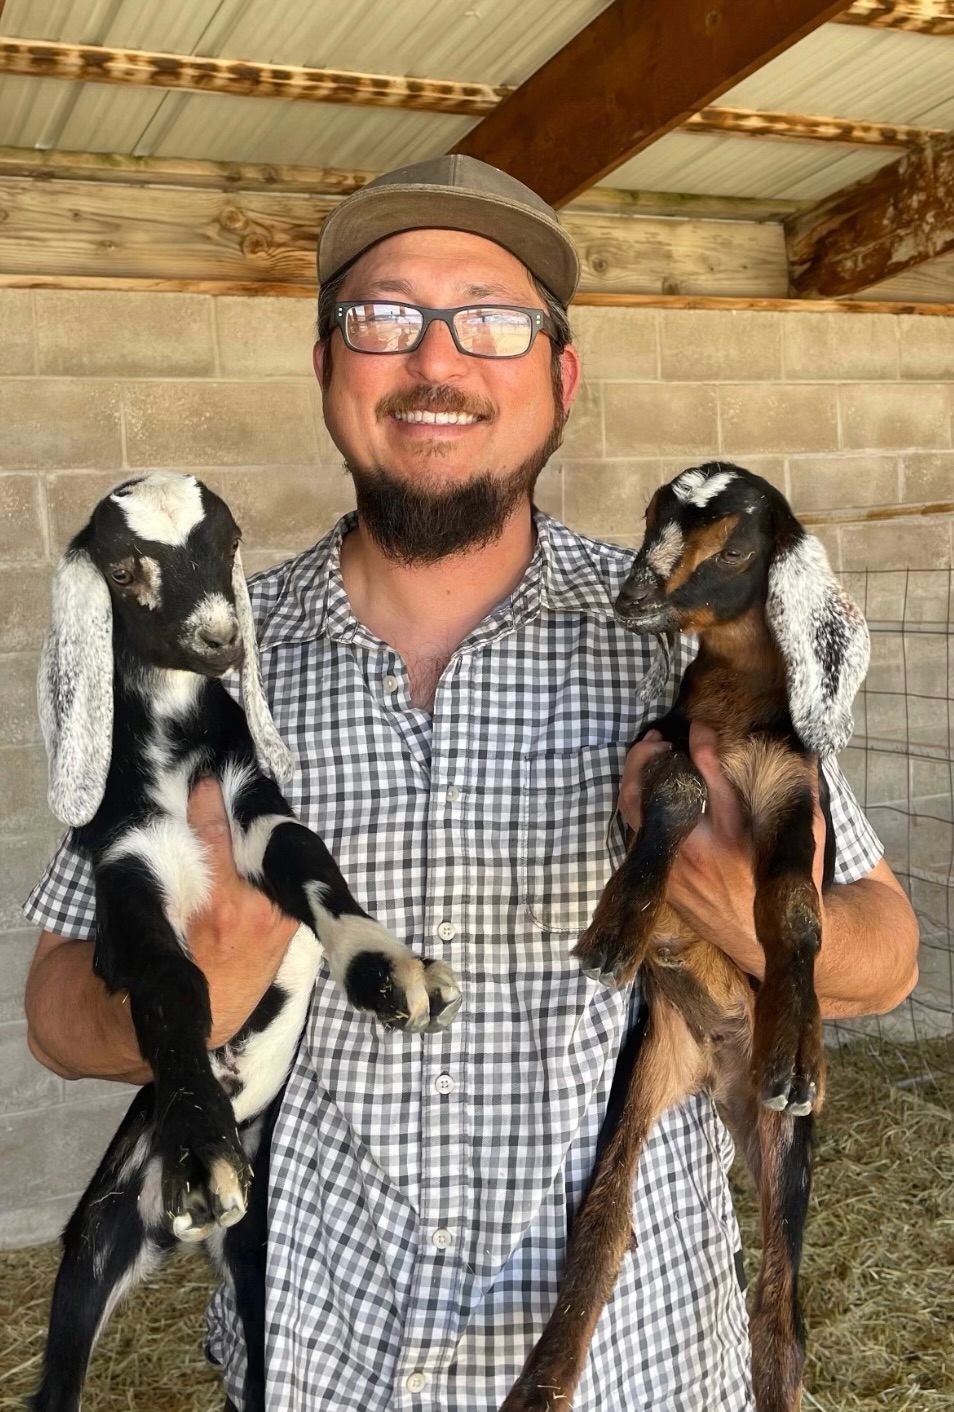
(438, 419)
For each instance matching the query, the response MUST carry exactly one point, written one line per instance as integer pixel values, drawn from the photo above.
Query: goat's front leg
(205, 1174)
(674, 799)
(290, 863)
(788, 1052)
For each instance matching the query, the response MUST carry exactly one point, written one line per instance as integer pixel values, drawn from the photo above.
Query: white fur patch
(666, 552)
(263, 1061)
(344, 938)
(164, 506)
(249, 845)
(172, 694)
(142, 1267)
(176, 859)
(213, 614)
(824, 639)
(75, 690)
(696, 488)
(150, 595)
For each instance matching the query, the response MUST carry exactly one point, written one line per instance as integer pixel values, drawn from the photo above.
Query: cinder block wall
(841, 411)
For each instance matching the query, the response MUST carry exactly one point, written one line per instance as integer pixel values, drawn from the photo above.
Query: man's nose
(437, 356)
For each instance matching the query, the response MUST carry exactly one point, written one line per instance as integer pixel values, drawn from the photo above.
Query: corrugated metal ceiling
(838, 71)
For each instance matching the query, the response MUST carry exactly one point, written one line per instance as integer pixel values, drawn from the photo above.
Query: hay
(878, 1275)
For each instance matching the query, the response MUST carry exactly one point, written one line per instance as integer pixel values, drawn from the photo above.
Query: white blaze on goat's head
(697, 486)
(663, 556)
(164, 506)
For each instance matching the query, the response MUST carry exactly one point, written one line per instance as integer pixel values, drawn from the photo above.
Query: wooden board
(633, 74)
(916, 16)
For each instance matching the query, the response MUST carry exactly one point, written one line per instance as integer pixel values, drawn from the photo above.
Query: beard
(412, 524)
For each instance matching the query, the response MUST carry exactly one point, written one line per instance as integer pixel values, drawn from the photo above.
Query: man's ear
(571, 371)
(318, 361)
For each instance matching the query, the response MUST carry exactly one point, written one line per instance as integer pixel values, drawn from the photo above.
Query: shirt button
(447, 931)
(416, 1382)
(442, 1239)
(390, 682)
(443, 1083)
(453, 793)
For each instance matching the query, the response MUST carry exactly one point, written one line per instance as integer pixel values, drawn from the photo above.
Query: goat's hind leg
(114, 1239)
(293, 866)
(669, 1066)
(611, 949)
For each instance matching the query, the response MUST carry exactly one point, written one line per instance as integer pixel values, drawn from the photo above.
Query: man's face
(512, 401)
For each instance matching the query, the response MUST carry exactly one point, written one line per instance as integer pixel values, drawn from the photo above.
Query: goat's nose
(219, 638)
(637, 594)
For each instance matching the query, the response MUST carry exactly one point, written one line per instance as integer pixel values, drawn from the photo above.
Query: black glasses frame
(540, 322)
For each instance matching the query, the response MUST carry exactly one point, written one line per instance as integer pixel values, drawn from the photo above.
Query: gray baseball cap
(452, 193)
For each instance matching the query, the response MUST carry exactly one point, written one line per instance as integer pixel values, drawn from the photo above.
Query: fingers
(630, 790)
(207, 818)
(724, 814)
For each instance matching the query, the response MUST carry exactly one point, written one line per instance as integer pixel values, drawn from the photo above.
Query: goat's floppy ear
(823, 638)
(271, 749)
(75, 689)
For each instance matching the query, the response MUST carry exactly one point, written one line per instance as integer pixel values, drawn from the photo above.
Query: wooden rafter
(626, 80)
(916, 16)
(36, 58)
(887, 223)
(748, 122)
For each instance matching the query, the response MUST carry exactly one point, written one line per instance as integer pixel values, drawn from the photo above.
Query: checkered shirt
(420, 1186)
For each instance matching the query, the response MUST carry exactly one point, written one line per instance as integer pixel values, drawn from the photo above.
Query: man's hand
(711, 883)
(240, 938)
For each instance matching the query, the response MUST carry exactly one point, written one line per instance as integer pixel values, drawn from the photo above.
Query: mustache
(431, 397)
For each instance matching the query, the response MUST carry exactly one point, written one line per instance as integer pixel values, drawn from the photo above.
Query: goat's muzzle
(640, 605)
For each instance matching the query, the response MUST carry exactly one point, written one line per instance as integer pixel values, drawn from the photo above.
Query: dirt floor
(878, 1272)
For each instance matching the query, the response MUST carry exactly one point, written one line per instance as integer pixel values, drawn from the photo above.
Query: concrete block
(842, 482)
(583, 433)
(772, 418)
(283, 508)
(714, 345)
(262, 337)
(35, 1224)
(24, 607)
(16, 953)
(120, 333)
(886, 416)
(24, 1084)
(49, 422)
(22, 521)
(16, 345)
(674, 419)
(71, 497)
(53, 1153)
(616, 343)
(886, 669)
(184, 424)
(837, 346)
(608, 499)
(22, 862)
(23, 784)
(548, 491)
(927, 476)
(927, 346)
(897, 544)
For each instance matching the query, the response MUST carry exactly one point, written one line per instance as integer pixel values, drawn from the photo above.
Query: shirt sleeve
(857, 846)
(64, 900)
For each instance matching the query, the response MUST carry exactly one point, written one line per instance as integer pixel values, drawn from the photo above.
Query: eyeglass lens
(395, 328)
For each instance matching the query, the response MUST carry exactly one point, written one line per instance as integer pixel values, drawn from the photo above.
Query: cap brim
(377, 212)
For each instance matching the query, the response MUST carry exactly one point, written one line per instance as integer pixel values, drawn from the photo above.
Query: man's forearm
(868, 961)
(75, 1027)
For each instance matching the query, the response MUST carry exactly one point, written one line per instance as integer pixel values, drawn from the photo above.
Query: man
(447, 668)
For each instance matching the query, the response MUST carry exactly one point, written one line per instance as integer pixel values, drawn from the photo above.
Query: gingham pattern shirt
(420, 1186)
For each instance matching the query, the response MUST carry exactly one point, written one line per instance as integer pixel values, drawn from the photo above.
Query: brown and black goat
(782, 652)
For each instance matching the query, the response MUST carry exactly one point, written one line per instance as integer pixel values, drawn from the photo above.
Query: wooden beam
(915, 16)
(92, 230)
(749, 122)
(891, 221)
(38, 58)
(119, 169)
(634, 73)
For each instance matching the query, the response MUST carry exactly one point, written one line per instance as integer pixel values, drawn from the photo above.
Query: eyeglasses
(480, 331)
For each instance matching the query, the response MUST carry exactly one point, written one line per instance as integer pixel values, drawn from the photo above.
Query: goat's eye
(733, 556)
(121, 576)
(235, 547)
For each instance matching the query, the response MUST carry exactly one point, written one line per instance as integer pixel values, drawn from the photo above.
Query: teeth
(438, 419)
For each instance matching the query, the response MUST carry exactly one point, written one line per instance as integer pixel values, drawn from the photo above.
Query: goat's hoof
(604, 958)
(402, 990)
(205, 1181)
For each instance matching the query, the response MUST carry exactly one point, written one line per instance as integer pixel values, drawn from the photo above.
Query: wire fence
(899, 764)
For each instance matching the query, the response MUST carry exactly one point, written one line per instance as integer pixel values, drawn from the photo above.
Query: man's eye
(121, 576)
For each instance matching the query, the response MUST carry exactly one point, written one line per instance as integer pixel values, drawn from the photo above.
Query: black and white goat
(782, 652)
(150, 609)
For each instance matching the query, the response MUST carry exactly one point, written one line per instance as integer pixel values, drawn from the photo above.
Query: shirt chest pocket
(568, 846)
